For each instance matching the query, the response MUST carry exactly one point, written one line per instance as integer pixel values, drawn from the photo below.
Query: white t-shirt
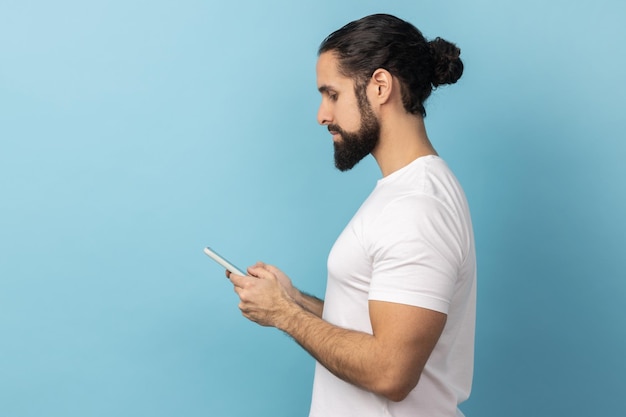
(411, 242)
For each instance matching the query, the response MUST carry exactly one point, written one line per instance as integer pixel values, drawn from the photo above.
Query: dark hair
(387, 42)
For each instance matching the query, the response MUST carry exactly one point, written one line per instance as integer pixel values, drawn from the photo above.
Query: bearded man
(394, 335)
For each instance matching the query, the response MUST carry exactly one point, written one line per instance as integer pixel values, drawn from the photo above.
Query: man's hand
(264, 294)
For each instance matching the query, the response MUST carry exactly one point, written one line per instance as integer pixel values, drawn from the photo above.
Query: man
(395, 334)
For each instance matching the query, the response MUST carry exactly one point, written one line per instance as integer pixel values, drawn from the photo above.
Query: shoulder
(410, 214)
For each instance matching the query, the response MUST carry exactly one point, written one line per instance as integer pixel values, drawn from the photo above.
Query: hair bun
(448, 67)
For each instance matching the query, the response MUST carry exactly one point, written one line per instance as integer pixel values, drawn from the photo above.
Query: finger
(254, 269)
(272, 269)
(260, 272)
(239, 280)
(267, 267)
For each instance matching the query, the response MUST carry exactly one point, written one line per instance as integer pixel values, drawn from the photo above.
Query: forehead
(328, 75)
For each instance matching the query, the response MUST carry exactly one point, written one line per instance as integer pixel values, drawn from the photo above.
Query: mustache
(335, 128)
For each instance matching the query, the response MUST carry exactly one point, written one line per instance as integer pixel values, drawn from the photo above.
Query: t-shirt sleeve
(416, 253)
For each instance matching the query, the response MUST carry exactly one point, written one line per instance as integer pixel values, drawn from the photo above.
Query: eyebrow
(325, 89)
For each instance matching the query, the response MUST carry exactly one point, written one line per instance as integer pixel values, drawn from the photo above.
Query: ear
(382, 85)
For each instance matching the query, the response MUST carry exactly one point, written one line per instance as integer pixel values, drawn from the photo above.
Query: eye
(332, 96)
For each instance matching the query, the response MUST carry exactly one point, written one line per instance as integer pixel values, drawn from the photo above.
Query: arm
(310, 303)
(389, 362)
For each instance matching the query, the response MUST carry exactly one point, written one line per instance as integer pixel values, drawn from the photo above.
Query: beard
(354, 146)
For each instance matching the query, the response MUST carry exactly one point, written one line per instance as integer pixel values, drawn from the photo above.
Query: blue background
(133, 133)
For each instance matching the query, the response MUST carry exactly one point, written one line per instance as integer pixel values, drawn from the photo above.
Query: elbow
(396, 394)
(397, 388)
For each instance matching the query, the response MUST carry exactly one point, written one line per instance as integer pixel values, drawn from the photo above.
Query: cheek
(349, 117)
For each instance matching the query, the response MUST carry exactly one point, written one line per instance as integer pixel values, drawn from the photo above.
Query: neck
(403, 139)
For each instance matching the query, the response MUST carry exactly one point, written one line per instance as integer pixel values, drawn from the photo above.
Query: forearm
(310, 303)
(353, 356)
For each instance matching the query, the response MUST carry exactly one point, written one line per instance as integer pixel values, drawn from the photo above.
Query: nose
(323, 114)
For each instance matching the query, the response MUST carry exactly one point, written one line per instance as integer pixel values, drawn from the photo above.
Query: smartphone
(222, 261)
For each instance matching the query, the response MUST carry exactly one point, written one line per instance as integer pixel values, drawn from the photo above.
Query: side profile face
(349, 117)
(339, 103)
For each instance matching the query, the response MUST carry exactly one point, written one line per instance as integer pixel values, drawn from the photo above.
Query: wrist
(297, 296)
(289, 316)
